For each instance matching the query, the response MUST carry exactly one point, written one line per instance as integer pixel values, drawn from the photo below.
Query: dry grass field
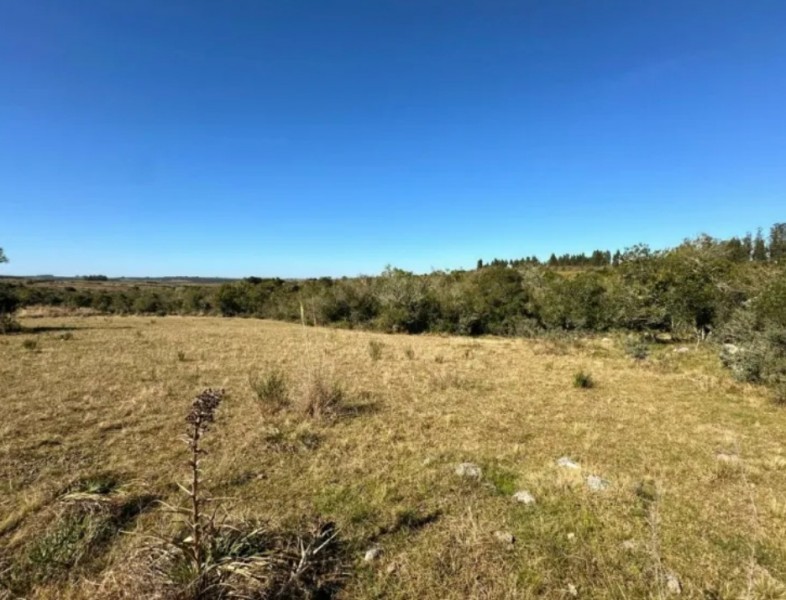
(693, 497)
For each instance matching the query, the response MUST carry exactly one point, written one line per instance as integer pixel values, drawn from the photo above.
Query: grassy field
(693, 464)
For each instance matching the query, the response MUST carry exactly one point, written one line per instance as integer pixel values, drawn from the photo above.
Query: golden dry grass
(112, 398)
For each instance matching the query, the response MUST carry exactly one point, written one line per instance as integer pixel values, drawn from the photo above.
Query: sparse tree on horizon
(3, 257)
(759, 248)
(778, 242)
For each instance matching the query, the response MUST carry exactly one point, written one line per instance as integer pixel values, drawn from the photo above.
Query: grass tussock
(583, 380)
(271, 388)
(375, 349)
(323, 398)
(66, 539)
(245, 559)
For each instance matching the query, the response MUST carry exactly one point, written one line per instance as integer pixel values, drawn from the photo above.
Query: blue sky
(298, 138)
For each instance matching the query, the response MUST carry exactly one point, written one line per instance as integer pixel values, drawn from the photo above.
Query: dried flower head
(204, 407)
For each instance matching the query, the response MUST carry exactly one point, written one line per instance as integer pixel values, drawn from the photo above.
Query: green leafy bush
(583, 380)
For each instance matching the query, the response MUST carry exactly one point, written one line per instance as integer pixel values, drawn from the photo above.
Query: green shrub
(8, 324)
(583, 380)
(636, 348)
(375, 350)
(271, 389)
(30, 344)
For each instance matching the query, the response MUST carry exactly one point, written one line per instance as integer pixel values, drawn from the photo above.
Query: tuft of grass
(409, 353)
(375, 350)
(8, 324)
(67, 336)
(249, 559)
(779, 393)
(503, 480)
(181, 356)
(323, 398)
(583, 380)
(272, 389)
(636, 348)
(31, 345)
(86, 520)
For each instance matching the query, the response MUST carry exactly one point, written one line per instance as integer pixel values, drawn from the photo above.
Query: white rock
(681, 349)
(728, 458)
(596, 484)
(571, 536)
(673, 585)
(504, 537)
(572, 590)
(372, 554)
(731, 348)
(567, 463)
(524, 497)
(470, 470)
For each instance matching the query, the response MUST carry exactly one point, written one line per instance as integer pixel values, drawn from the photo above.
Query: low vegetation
(668, 475)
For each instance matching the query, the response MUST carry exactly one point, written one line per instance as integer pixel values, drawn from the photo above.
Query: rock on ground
(470, 470)
(567, 463)
(524, 497)
(728, 458)
(372, 554)
(596, 484)
(504, 537)
(673, 585)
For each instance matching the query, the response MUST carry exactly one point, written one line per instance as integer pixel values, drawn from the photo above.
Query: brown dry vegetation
(696, 462)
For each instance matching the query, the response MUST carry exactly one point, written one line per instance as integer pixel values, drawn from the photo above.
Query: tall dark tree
(759, 253)
(3, 257)
(778, 242)
(747, 243)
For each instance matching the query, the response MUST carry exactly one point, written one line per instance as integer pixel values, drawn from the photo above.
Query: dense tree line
(695, 288)
(745, 249)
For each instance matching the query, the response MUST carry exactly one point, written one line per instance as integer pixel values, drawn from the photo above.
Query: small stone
(567, 463)
(524, 497)
(572, 590)
(571, 536)
(731, 349)
(681, 350)
(504, 537)
(427, 461)
(727, 458)
(372, 554)
(391, 568)
(596, 484)
(673, 585)
(629, 545)
(470, 470)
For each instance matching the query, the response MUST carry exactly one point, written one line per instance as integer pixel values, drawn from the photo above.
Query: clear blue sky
(298, 138)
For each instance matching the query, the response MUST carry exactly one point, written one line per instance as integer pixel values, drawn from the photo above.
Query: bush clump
(271, 389)
(375, 350)
(323, 398)
(583, 380)
(637, 348)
